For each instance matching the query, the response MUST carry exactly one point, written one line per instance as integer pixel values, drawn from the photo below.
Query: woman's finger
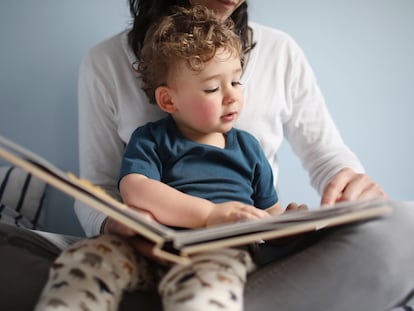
(334, 189)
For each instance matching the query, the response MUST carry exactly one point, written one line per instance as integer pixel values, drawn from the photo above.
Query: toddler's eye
(211, 90)
(236, 83)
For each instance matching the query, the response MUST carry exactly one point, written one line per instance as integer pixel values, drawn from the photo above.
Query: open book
(178, 245)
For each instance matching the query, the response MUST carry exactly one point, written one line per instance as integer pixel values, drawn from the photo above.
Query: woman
(359, 267)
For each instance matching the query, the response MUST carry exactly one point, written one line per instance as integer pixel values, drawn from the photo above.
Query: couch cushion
(21, 198)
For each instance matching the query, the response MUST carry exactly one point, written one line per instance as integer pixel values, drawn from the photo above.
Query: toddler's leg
(90, 275)
(214, 281)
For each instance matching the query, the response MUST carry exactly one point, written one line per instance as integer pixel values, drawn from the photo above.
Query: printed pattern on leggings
(214, 281)
(92, 275)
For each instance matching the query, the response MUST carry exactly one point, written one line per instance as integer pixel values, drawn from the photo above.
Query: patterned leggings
(93, 274)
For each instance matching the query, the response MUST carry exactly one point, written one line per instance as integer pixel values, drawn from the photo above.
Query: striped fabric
(21, 198)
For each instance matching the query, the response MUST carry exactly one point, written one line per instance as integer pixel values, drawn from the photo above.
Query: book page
(315, 219)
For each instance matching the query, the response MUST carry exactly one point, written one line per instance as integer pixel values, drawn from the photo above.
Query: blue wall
(361, 51)
(42, 44)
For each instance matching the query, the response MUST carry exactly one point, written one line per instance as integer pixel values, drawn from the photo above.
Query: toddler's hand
(233, 211)
(293, 207)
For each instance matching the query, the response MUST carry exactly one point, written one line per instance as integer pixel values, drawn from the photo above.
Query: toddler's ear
(164, 99)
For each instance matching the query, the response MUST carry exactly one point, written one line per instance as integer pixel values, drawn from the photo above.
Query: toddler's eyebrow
(237, 71)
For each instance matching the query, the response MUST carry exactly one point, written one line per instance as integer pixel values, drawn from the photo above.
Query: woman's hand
(140, 244)
(347, 185)
(111, 226)
(233, 211)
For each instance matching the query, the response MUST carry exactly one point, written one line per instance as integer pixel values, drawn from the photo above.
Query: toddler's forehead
(197, 67)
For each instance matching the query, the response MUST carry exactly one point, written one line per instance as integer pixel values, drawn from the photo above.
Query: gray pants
(367, 266)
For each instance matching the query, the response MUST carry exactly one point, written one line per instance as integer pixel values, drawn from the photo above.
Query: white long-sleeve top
(282, 99)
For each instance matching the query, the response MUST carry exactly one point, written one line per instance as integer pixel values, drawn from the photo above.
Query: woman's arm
(100, 147)
(334, 169)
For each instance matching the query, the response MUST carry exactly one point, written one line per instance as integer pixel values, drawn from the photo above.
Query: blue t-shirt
(239, 172)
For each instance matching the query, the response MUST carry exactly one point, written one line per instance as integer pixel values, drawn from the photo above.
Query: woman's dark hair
(147, 12)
